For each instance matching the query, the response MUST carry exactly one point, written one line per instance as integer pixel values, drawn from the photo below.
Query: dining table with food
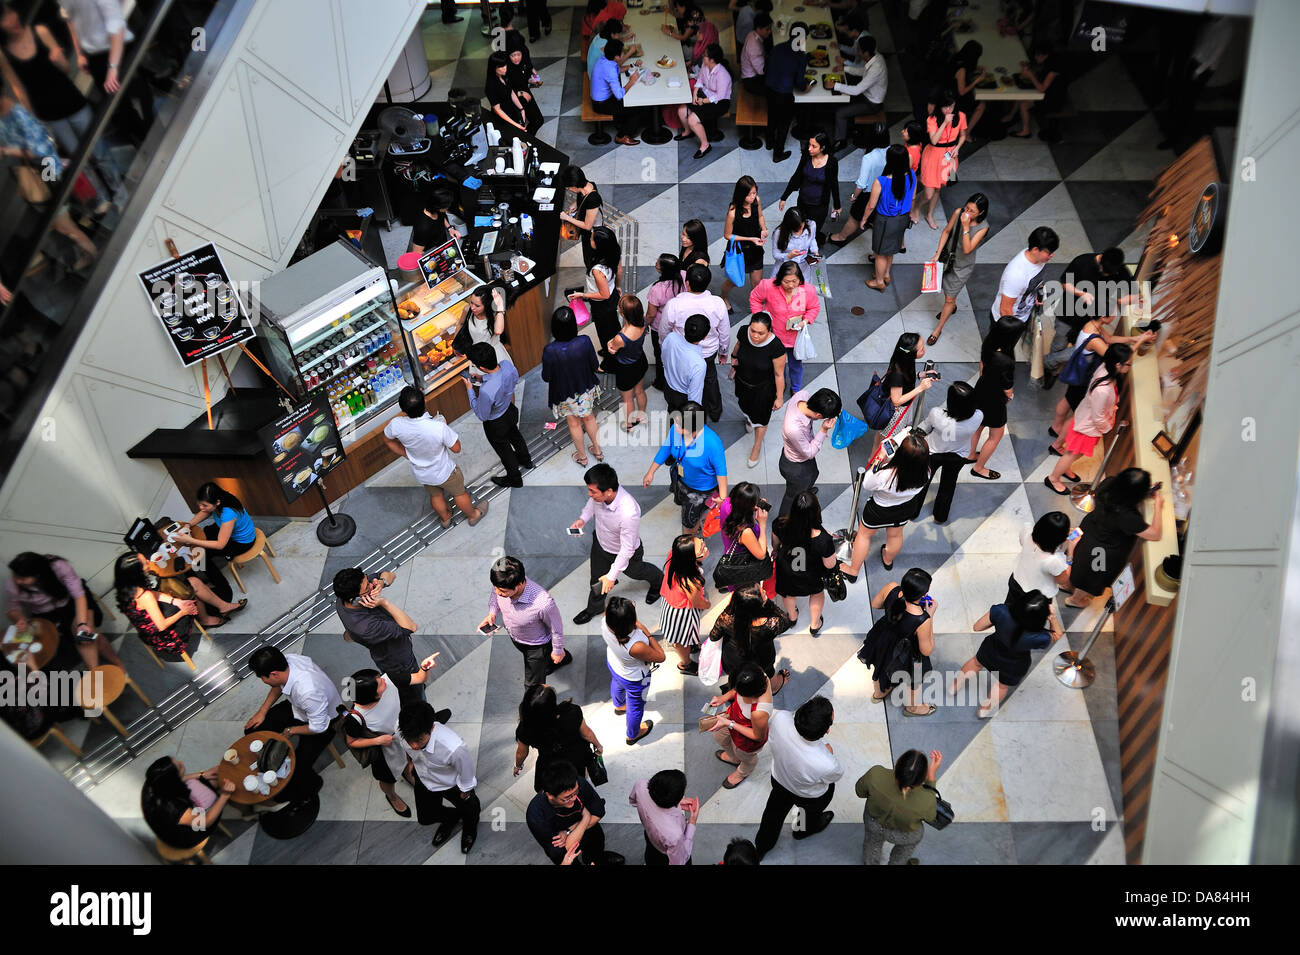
(664, 78)
(33, 646)
(1004, 59)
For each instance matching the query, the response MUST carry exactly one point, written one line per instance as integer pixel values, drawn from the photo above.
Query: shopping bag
(712, 521)
(847, 430)
(803, 345)
(580, 310)
(710, 665)
(877, 409)
(733, 263)
(820, 282)
(931, 277)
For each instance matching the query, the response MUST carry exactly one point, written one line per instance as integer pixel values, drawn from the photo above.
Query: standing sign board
(193, 298)
(303, 447)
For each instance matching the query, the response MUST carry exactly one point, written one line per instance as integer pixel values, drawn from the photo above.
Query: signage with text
(303, 447)
(196, 302)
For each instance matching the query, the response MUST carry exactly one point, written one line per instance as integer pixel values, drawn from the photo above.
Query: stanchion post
(845, 550)
(1075, 669)
(336, 529)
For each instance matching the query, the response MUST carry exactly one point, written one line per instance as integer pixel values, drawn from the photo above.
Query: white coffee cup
(232, 756)
(255, 746)
(268, 777)
(250, 783)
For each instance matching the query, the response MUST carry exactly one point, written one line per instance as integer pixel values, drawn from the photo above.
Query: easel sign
(194, 299)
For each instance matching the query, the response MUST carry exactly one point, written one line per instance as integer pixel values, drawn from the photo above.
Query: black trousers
(625, 120)
(780, 113)
(654, 857)
(675, 399)
(799, 476)
(947, 466)
(134, 115)
(448, 10)
(537, 661)
(755, 85)
(430, 808)
(712, 397)
(539, 15)
(819, 213)
(305, 782)
(659, 361)
(779, 803)
(507, 441)
(592, 847)
(602, 560)
(604, 318)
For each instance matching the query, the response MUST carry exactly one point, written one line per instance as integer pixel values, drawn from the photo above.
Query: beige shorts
(453, 486)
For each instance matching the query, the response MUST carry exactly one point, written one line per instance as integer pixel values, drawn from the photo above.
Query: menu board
(441, 263)
(303, 447)
(195, 300)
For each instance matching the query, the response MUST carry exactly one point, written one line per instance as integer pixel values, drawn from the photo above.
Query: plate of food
(821, 31)
(830, 79)
(665, 62)
(819, 59)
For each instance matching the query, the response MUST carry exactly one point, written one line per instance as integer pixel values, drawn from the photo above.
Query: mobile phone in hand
(1155, 488)
(489, 628)
(764, 505)
(889, 447)
(573, 531)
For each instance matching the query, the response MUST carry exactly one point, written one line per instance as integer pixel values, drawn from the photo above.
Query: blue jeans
(793, 371)
(629, 694)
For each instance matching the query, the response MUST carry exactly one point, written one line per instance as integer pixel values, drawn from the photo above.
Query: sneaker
(482, 513)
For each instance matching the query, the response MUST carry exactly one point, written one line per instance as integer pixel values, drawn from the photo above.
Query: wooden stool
(59, 735)
(184, 656)
(115, 680)
(337, 758)
(172, 854)
(261, 547)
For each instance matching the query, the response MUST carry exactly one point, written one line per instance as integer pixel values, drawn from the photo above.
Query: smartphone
(1155, 488)
(173, 528)
(765, 505)
(489, 628)
(889, 447)
(573, 531)
(1074, 535)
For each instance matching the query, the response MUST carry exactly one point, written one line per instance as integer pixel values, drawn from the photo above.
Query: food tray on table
(819, 59)
(821, 31)
(665, 62)
(830, 79)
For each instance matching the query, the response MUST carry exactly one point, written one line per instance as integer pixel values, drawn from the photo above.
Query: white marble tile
(850, 690)
(972, 780)
(462, 687)
(1016, 160)
(1041, 697)
(345, 793)
(960, 340)
(1051, 771)
(644, 163)
(859, 746)
(437, 607)
(1000, 532)
(983, 583)
(877, 347)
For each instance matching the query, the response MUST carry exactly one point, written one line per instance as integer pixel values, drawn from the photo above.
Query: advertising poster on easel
(194, 299)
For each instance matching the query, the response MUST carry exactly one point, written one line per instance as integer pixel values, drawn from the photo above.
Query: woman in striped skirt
(685, 596)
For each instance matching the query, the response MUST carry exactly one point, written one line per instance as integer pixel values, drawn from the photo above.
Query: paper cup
(268, 777)
(255, 746)
(250, 783)
(232, 756)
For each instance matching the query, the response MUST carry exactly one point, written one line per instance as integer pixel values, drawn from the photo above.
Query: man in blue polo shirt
(607, 92)
(701, 462)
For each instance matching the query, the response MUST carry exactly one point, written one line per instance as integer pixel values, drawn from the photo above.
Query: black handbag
(273, 753)
(835, 584)
(675, 481)
(739, 567)
(943, 811)
(596, 770)
(950, 247)
(355, 726)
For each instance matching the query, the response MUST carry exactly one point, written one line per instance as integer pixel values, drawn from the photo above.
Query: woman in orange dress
(947, 133)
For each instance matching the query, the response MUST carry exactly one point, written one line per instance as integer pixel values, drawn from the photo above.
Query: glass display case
(345, 344)
(431, 317)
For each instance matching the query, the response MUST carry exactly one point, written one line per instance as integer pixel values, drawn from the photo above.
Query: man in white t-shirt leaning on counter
(1017, 288)
(428, 443)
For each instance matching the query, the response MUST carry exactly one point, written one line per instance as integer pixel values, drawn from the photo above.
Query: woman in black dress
(1005, 652)
(556, 730)
(1111, 530)
(993, 391)
(909, 610)
(586, 214)
(630, 362)
(805, 552)
(695, 245)
(748, 628)
(745, 224)
(758, 367)
(511, 107)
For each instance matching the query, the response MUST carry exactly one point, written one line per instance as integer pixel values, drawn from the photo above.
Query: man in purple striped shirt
(531, 619)
(805, 426)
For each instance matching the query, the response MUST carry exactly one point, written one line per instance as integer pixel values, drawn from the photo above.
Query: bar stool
(60, 736)
(337, 758)
(115, 680)
(261, 547)
(172, 854)
(184, 653)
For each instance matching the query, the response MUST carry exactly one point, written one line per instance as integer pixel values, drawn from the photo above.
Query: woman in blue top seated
(235, 531)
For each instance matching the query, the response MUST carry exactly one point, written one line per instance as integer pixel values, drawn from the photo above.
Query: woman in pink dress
(947, 133)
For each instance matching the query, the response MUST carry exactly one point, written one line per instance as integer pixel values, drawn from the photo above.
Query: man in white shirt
(1017, 289)
(307, 715)
(428, 443)
(870, 169)
(804, 771)
(616, 545)
(868, 92)
(100, 37)
(696, 299)
(443, 772)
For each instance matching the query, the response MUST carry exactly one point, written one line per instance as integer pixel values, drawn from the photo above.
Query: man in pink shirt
(698, 300)
(807, 422)
(668, 817)
(616, 542)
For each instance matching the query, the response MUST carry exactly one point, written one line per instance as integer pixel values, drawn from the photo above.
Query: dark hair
(791, 223)
(824, 402)
(365, 686)
(629, 306)
(692, 413)
(867, 45)
(1044, 237)
(573, 177)
(129, 576)
(981, 203)
(1000, 369)
(762, 20)
(1126, 489)
(911, 463)
(620, 617)
(695, 329)
(613, 48)
(961, 404)
(537, 714)
(347, 584)
(794, 530)
(762, 6)
(714, 52)
(762, 318)
(507, 573)
(415, 720)
(595, 6)
(609, 28)
(969, 55)
(898, 165)
(1112, 264)
(605, 248)
(744, 498)
(813, 720)
(787, 268)
(740, 852)
(822, 140)
(411, 401)
(1032, 613)
(267, 660)
(29, 564)
(683, 567)
(564, 324)
(483, 355)
(911, 769)
(1002, 337)
(211, 493)
(667, 788)
(745, 606)
(744, 186)
(603, 476)
(694, 230)
(698, 278)
(915, 585)
(913, 134)
(944, 99)
(669, 268)
(164, 798)
(1116, 355)
(557, 777)
(751, 681)
(901, 372)
(1050, 531)
(496, 60)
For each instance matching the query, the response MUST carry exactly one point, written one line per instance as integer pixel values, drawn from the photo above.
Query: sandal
(879, 699)
(784, 674)
(930, 710)
(872, 284)
(240, 606)
(579, 458)
(600, 455)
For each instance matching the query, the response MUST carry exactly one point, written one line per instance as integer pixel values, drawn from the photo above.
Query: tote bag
(875, 405)
(733, 263)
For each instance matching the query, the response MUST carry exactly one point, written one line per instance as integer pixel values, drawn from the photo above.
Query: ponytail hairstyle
(1116, 355)
(793, 222)
(218, 497)
(902, 364)
(915, 585)
(669, 268)
(911, 769)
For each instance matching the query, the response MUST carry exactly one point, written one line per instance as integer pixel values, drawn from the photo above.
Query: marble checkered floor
(1038, 783)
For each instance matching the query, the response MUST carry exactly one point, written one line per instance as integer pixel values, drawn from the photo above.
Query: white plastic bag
(803, 345)
(710, 666)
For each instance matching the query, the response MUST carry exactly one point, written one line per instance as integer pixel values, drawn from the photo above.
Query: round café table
(39, 631)
(175, 566)
(287, 823)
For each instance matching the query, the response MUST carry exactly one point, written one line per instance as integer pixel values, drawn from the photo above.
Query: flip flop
(581, 461)
(991, 476)
(932, 709)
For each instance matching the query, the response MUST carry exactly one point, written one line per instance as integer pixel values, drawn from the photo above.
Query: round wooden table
(235, 772)
(176, 566)
(41, 631)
